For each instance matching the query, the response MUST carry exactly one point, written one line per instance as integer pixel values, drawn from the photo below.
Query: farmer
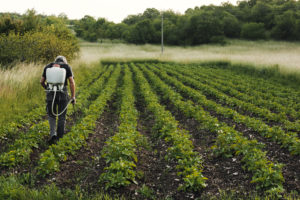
(61, 98)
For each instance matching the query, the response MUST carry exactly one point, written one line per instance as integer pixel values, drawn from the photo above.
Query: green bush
(286, 27)
(203, 27)
(37, 46)
(218, 40)
(253, 31)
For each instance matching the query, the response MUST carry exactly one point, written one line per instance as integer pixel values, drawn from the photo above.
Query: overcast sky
(112, 10)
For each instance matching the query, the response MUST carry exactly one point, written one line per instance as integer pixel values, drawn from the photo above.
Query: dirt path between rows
(84, 168)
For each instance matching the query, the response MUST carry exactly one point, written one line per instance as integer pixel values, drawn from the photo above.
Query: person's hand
(73, 100)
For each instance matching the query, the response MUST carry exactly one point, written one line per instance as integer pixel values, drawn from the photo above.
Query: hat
(61, 59)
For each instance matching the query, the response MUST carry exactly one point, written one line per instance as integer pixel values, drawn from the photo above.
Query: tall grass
(257, 53)
(20, 90)
(277, 57)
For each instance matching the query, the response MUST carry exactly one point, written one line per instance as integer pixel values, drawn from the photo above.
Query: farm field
(158, 130)
(20, 93)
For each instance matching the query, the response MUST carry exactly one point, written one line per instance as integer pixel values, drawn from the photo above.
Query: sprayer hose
(53, 105)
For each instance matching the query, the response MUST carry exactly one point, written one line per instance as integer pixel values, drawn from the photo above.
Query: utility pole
(162, 33)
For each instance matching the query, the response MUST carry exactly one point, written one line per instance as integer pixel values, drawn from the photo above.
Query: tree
(151, 13)
(253, 31)
(101, 26)
(31, 20)
(285, 26)
(142, 32)
(132, 19)
(7, 25)
(231, 24)
(203, 27)
(244, 11)
(263, 13)
(115, 31)
(297, 30)
(182, 25)
(86, 28)
(171, 34)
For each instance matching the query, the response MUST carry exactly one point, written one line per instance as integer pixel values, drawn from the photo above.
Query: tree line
(249, 19)
(34, 38)
(37, 38)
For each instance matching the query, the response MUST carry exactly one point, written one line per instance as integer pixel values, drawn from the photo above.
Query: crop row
(266, 175)
(248, 84)
(19, 152)
(265, 85)
(120, 149)
(189, 163)
(288, 140)
(76, 138)
(228, 88)
(238, 104)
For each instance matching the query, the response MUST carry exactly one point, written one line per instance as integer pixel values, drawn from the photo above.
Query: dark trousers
(60, 102)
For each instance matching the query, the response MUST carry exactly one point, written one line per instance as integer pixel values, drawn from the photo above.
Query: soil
(222, 173)
(158, 174)
(274, 152)
(84, 168)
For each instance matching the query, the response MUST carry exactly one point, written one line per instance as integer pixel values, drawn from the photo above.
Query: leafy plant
(188, 162)
(229, 141)
(76, 138)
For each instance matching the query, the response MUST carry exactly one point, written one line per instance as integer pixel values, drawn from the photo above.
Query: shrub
(218, 40)
(253, 31)
(285, 27)
(37, 46)
(204, 26)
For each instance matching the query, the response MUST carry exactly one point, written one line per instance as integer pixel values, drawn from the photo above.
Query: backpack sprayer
(56, 78)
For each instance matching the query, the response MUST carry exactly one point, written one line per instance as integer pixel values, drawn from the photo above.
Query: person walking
(61, 98)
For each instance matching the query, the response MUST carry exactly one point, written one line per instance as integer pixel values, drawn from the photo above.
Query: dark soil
(275, 153)
(158, 174)
(291, 170)
(84, 168)
(36, 152)
(222, 173)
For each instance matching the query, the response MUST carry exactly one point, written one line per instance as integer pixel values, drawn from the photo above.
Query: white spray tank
(56, 77)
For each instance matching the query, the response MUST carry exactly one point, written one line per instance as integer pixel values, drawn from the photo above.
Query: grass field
(173, 127)
(259, 53)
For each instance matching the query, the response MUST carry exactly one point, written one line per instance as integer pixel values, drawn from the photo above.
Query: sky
(112, 10)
